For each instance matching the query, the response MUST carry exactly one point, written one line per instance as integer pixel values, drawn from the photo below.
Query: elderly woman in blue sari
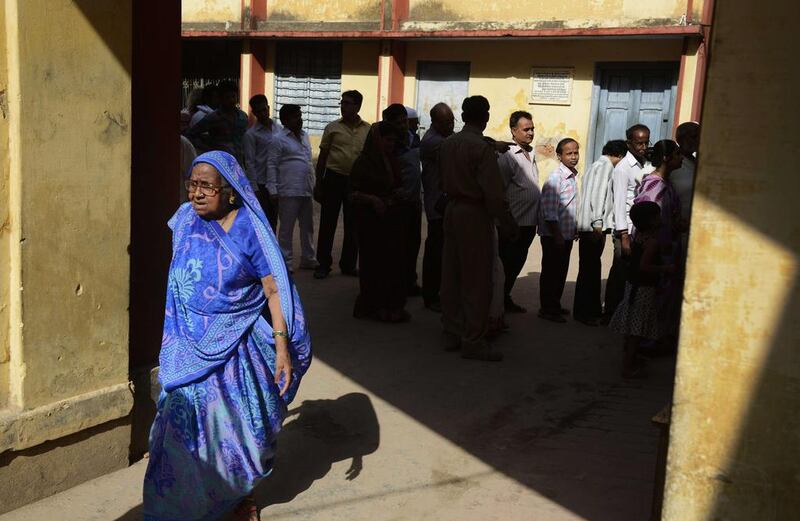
(234, 349)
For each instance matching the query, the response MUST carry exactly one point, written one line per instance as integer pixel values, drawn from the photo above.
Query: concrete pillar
(735, 435)
(65, 200)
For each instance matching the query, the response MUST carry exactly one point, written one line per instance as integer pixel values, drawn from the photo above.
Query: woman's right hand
(283, 366)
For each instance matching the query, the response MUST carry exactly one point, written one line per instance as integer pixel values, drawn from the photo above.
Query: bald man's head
(442, 119)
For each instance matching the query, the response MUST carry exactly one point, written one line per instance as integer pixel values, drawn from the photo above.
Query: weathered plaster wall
(5, 351)
(360, 72)
(532, 14)
(444, 14)
(328, 11)
(689, 79)
(212, 12)
(65, 204)
(735, 437)
(74, 166)
(506, 83)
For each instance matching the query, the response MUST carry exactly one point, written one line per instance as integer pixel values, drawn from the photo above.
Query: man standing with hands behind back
(625, 181)
(342, 142)
(471, 179)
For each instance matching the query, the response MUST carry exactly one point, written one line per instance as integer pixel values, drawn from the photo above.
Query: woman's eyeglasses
(204, 188)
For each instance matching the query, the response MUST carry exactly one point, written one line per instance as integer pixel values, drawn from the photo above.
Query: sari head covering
(375, 172)
(203, 329)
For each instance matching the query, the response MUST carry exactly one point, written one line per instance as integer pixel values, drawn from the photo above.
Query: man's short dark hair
(288, 110)
(258, 99)
(616, 148)
(475, 109)
(513, 121)
(228, 86)
(564, 142)
(636, 128)
(354, 95)
(394, 111)
(684, 129)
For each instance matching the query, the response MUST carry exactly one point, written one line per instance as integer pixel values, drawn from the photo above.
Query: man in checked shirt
(558, 229)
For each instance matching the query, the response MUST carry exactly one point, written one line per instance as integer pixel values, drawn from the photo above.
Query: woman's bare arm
(283, 362)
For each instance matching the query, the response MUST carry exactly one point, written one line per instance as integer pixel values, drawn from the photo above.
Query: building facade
(585, 70)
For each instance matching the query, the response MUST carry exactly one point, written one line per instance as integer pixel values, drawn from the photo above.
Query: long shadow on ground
(555, 415)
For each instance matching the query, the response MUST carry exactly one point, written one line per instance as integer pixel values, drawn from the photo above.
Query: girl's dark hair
(643, 214)
(616, 148)
(564, 142)
(661, 151)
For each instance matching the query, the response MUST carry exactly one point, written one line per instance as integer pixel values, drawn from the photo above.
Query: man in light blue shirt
(290, 179)
(257, 143)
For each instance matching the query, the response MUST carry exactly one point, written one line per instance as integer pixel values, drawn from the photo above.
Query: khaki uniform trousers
(467, 269)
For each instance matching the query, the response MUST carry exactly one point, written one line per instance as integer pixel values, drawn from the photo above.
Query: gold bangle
(283, 334)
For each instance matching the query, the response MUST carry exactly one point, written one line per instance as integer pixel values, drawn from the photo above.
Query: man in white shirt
(257, 143)
(521, 180)
(625, 183)
(595, 218)
(290, 179)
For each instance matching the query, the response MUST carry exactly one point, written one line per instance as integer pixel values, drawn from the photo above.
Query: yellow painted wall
(506, 82)
(735, 436)
(689, 80)
(70, 176)
(550, 13)
(327, 11)
(360, 72)
(4, 217)
(525, 14)
(211, 11)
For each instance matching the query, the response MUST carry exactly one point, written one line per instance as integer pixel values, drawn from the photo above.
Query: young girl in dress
(637, 315)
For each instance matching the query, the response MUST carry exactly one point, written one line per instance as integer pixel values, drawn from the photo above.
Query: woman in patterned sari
(234, 349)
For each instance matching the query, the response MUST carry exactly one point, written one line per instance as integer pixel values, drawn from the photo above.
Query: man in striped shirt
(521, 181)
(595, 218)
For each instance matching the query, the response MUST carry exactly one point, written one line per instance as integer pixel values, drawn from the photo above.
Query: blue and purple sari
(220, 410)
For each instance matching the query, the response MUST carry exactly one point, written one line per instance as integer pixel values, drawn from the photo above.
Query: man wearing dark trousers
(625, 181)
(595, 218)
(442, 123)
(472, 181)
(521, 181)
(342, 142)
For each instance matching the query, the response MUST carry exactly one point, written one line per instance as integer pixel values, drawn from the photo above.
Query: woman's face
(675, 161)
(209, 182)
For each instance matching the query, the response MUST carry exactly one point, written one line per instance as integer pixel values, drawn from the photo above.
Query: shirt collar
(287, 132)
(565, 172)
(516, 148)
(631, 159)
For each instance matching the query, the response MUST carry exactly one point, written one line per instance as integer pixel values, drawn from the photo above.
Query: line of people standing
(484, 205)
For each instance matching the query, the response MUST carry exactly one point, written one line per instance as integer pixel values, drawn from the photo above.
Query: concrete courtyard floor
(388, 427)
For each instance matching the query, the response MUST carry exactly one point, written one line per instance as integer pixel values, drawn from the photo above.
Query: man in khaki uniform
(471, 179)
